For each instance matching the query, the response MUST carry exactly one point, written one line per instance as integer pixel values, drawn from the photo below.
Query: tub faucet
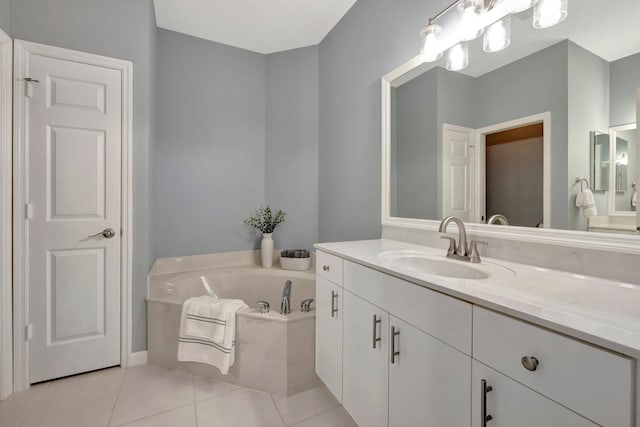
(285, 306)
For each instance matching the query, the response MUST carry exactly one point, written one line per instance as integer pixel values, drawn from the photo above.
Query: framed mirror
(505, 139)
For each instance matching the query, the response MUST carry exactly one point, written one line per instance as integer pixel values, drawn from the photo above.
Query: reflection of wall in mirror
(626, 169)
(581, 91)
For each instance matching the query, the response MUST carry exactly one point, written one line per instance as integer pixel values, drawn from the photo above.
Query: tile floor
(150, 396)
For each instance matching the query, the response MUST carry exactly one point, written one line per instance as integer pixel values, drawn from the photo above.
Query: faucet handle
(453, 248)
(305, 305)
(264, 306)
(475, 256)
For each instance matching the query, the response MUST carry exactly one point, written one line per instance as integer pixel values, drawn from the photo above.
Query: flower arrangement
(264, 220)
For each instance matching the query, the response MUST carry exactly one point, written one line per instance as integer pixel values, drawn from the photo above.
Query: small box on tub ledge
(298, 259)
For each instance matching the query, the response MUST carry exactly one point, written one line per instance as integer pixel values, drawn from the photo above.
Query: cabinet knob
(325, 267)
(530, 363)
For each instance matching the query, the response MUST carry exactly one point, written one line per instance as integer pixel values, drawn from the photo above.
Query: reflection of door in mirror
(600, 160)
(624, 152)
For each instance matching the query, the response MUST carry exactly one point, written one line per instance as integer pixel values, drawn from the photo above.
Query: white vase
(266, 248)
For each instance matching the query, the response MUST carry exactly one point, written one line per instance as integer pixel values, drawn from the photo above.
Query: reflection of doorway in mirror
(513, 171)
(623, 175)
(514, 175)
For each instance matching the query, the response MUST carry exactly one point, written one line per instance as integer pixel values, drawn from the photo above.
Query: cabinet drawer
(589, 380)
(329, 267)
(439, 315)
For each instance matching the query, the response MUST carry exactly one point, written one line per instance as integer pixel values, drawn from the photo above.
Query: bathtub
(274, 353)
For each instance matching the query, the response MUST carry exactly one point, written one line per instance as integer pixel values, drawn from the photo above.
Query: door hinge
(28, 86)
(29, 332)
(28, 211)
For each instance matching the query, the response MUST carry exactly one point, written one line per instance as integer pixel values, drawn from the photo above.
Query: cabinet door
(329, 335)
(429, 381)
(366, 375)
(511, 404)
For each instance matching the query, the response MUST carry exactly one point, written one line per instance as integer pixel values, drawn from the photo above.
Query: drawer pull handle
(376, 338)
(483, 404)
(326, 268)
(334, 300)
(530, 363)
(394, 353)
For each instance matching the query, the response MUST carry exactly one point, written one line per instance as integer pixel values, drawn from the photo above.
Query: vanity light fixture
(517, 6)
(470, 26)
(548, 13)
(489, 16)
(498, 35)
(430, 45)
(458, 57)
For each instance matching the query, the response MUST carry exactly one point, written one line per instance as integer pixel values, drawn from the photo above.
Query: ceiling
(263, 26)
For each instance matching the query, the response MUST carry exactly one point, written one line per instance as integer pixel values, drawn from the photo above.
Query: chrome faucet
(498, 219)
(285, 306)
(460, 250)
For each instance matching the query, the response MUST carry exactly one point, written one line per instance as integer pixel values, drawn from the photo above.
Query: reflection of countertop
(613, 223)
(599, 311)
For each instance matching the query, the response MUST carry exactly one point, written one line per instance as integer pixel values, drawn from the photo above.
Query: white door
(510, 404)
(329, 335)
(457, 172)
(365, 368)
(73, 143)
(428, 381)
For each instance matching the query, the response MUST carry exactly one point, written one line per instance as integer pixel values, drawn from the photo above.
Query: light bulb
(458, 57)
(470, 26)
(549, 12)
(430, 45)
(498, 35)
(517, 6)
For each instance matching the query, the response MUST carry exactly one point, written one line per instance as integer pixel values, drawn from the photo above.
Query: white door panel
(457, 164)
(74, 186)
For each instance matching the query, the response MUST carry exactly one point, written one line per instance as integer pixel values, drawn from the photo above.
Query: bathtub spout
(285, 306)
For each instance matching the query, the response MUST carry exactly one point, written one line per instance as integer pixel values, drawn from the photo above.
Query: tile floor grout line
(115, 401)
(150, 416)
(277, 409)
(195, 400)
(315, 415)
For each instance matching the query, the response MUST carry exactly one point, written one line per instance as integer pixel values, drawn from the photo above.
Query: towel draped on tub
(208, 331)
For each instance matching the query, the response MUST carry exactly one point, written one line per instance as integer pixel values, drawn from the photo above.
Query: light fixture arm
(488, 5)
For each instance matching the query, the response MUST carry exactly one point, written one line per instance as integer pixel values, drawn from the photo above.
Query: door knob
(107, 233)
(530, 363)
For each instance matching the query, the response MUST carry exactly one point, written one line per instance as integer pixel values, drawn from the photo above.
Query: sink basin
(439, 266)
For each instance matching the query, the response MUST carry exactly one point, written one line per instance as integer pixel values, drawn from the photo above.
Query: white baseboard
(139, 358)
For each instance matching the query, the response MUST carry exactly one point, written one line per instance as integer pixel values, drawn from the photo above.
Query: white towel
(634, 199)
(587, 202)
(208, 331)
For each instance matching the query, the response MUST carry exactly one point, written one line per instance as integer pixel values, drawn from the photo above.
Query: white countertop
(599, 311)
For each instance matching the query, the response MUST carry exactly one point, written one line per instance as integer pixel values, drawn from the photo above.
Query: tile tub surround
(155, 396)
(274, 353)
(598, 311)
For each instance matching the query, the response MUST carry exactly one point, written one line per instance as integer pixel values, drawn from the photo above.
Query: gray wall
(210, 147)
(5, 16)
(292, 145)
(121, 29)
(373, 38)
(625, 80)
(515, 178)
(588, 105)
(416, 150)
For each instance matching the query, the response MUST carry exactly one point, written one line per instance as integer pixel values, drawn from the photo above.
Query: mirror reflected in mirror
(503, 140)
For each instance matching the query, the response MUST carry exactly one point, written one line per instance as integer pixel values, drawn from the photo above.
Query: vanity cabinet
(329, 314)
(499, 401)
(591, 381)
(365, 360)
(401, 355)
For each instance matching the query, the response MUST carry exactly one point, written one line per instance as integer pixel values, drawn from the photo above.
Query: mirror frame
(611, 242)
